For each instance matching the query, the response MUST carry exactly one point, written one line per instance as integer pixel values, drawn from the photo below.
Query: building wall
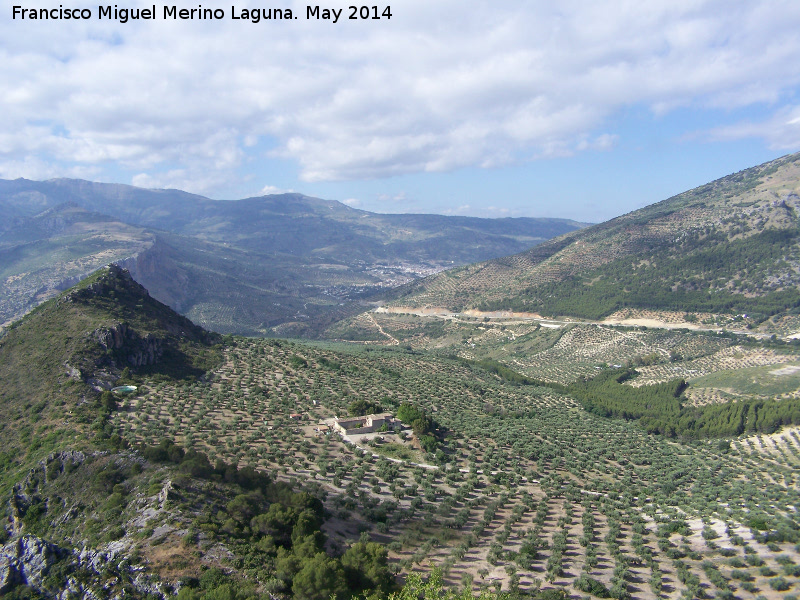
(370, 424)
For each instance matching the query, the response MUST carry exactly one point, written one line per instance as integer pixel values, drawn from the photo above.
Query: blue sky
(583, 110)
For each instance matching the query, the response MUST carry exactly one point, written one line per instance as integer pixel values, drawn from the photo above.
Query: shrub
(592, 586)
(779, 584)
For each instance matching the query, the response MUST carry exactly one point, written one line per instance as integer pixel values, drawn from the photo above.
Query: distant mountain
(25, 198)
(44, 254)
(243, 266)
(291, 224)
(730, 246)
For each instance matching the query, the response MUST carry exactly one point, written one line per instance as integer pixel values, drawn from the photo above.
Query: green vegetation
(277, 532)
(753, 381)
(423, 426)
(591, 586)
(677, 279)
(503, 372)
(726, 248)
(217, 473)
(512, 433)
(286, 261)
(273, 531)
(433, 588)
(606, 396)
(104, 327)
(361, 407)
(659, 408)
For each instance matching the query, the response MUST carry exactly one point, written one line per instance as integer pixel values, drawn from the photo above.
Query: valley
(563, 436)
(520, 487)
(281, 265)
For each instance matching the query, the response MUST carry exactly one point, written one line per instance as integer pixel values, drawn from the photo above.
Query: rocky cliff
(128, 346)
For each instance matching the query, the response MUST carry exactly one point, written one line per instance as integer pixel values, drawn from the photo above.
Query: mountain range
(246, 266)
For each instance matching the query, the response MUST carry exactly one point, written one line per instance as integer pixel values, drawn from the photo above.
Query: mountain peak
(97, 328)
(108, 279)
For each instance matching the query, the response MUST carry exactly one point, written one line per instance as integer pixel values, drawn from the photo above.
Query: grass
(753, 381)
(399, 451)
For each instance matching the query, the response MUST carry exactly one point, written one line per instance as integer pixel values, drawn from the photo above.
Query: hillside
(729, 247)
(217, 475)
(542, 458)
(88, 516)
(45, 254)
(55, 358)
(244, 266)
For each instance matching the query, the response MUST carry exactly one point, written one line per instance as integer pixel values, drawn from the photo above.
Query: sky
(576, 109)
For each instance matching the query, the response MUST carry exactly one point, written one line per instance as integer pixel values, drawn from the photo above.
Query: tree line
(659, 408)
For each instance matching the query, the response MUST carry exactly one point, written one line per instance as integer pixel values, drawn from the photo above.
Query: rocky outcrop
(163, 495)
(114, 337)
(59, 570)
(73, 372)
(130, 329)
(124, 342)
(25, 493)
(115, 279)
(27, 561)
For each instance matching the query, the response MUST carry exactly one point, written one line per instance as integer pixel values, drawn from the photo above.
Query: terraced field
(718, 367)
(747, 371)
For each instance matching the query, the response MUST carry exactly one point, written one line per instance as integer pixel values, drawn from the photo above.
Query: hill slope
(45, 254)
(520, 487)
(55, 358)
(88, 517)
(731, 246)
(235, 266)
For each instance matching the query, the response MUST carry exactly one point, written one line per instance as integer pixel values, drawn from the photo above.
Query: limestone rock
(27, 560)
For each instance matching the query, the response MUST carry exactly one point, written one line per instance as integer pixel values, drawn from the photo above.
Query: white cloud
(32, 167)
(781, 131)
(398, 198)
(354, 202)
(440, 86)
(500, 211)
(602, 142)
(189, 180)
(271, 189)
(489, 212)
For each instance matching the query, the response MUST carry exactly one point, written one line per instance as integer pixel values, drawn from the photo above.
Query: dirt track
(443, 313)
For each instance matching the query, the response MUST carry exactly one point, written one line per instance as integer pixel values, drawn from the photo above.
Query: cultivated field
(528, 489)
